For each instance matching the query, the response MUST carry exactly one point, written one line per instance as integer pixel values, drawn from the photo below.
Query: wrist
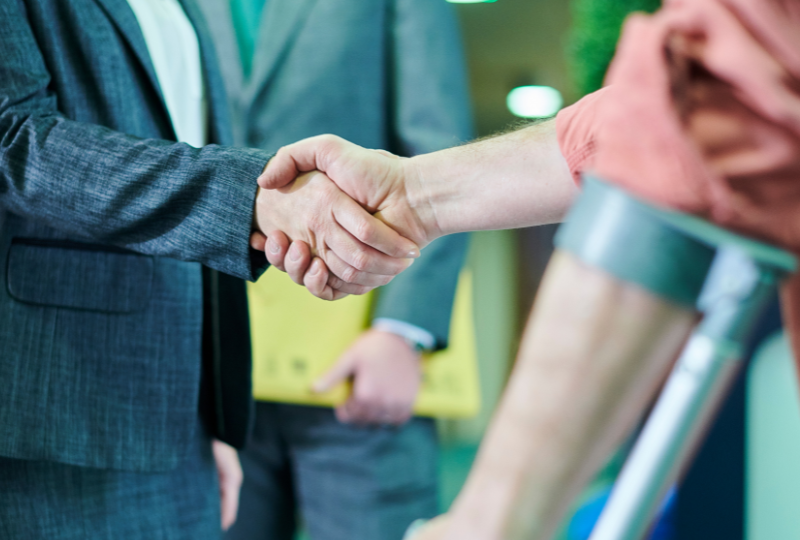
(418, 339)
(423, 194)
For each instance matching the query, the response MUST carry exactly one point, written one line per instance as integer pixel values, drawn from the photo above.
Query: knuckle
(329, 140)
(360, 258)
(349, 274)
(367, 398)
(364, 231)
(315, 221)
(279, 156)
(328, 144)
(357, 289)
(335, 282)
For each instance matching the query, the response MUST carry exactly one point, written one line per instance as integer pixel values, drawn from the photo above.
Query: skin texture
(229, 472)
(573, 395)
(593, 355)
(518, 179)
(386, 375)
(358, 249)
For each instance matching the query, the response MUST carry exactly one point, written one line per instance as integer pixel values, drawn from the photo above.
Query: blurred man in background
(387, 75)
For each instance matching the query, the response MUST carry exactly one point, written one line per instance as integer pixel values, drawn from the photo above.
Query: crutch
(729, 278)
(726, 277)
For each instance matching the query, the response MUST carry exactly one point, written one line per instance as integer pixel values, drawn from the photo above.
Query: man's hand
(229, 471)
(360, 251)
(386, 375)
(379, 181)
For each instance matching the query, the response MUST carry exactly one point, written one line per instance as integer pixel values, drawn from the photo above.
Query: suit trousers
(346, 482)
(50, 500)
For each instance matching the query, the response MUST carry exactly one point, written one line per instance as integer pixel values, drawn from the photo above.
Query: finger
(397, 416)
(337, 284)
(258, 241)
(344, 275)
(297, 261)
(357, 254)
(316, 281)
(373, 232)
(368, 414)
(277, 244)
(343, 414)
(229, 474)
(387, 415)
(303, 156)
(353, 412)
(340, 372)
(363, 407)
(229, 501)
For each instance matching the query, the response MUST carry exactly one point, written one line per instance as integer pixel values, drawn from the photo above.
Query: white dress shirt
(175, 52)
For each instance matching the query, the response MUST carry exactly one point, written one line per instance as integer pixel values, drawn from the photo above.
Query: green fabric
(596, 26)
(246, 21)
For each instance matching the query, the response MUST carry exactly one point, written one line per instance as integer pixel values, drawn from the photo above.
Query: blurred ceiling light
(534, 101)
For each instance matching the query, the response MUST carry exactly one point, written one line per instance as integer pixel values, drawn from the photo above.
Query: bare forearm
(514, 180)
(593, 354)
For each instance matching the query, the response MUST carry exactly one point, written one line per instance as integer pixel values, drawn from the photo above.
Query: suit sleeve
(152, 196)
(429, 109)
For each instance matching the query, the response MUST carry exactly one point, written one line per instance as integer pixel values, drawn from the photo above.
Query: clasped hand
(338, 218)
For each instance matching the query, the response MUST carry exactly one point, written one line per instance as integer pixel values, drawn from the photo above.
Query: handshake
(341, 219)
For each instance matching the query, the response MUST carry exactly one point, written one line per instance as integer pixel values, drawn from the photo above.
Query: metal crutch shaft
(733, 298)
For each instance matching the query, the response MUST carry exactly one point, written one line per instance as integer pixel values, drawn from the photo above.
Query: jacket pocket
(79, 276)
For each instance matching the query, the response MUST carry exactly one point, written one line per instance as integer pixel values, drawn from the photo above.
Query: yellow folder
(298, 337)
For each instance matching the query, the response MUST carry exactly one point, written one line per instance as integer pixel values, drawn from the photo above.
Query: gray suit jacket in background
(381, 73)
(104, 225)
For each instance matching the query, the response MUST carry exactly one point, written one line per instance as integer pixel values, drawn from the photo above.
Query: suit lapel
(280, 24)
(121, 13)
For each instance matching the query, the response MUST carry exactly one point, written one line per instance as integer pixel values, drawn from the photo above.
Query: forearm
(152, 196)
(593, 354)
(514, 180)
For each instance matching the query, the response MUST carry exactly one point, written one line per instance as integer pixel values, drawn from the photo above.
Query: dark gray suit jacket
(381, 73)
(104, 225)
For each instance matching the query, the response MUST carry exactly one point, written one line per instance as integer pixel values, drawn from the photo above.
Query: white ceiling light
(534, 101)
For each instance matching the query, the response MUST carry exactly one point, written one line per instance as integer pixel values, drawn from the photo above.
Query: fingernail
(294, 253)
(315, 269)
(414, 253)
(410, 262)
(274, 248)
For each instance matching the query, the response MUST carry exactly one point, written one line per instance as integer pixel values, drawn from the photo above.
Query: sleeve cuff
(413, 333)
(576, 129)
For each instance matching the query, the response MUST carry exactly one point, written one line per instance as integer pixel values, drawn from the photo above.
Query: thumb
(307, 155)
(340, 372)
